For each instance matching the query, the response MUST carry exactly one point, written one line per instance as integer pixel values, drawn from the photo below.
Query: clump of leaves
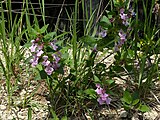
(133, 102)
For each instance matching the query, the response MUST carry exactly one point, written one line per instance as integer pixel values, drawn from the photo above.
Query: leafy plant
(132, 102)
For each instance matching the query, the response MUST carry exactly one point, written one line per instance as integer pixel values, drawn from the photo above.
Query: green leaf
(88, 40)
(37, 77)
(129, 68)
(65, 55)
(127, 98)
(131, 53)
(91, 93)
(40, 74)
(110, 13)
(39, 67)
(117, 3)
(49, 36)
(96, 79)
(29, 113)
(33, 32)
(27, 45)
(135, 102)
(142, 66)
(55, 117)
(126, 106)
(104, 25)
(27, 60)
(109, 82)
(143, 108)
(49, 50)
(118, 69)
(64, 118)
(43, 74)
(106, 20)
(43, 29)
(135, 95)
(107, 42)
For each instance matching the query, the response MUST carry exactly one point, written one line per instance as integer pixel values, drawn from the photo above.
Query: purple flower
(34, 61)
(37, 39)
(32, 41)
(45, 57)
(40, 47)
(33, 47)
(125, 22)
(99, 89)
(122, 35)
(122, 10)
(53, 45)
(46, 62)
(132, 13)
(124, 16)
(103, 97)
(49, 70)
(39, 53)
(107, 101)
(103, 33)
(100, 101)
(55, 65)
(56, 57)
(116, 47)
(111, 20)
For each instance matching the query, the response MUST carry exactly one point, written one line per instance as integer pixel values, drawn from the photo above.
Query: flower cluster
(49, 62)
(121, 41)
(124, 17)
(125, 21)
(103, 97)
(36, 50)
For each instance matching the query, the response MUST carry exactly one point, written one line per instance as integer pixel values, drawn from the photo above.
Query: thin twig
(57, 22)
(46, 16)
(155, 97)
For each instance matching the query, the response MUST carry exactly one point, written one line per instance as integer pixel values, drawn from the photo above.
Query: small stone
(48, 102)
(36, 109)
(1, 112)
(151, 115)
(21, 115)
(30, 91)
(3, 107)
(88, 117)
(10, 117)
(41, 110)
(134, 118)
(23, 92)
(123, 114)
(18, 102)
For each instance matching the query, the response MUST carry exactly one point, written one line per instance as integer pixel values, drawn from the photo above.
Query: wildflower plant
(103, 97)
(50, 62)
(123, 26)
